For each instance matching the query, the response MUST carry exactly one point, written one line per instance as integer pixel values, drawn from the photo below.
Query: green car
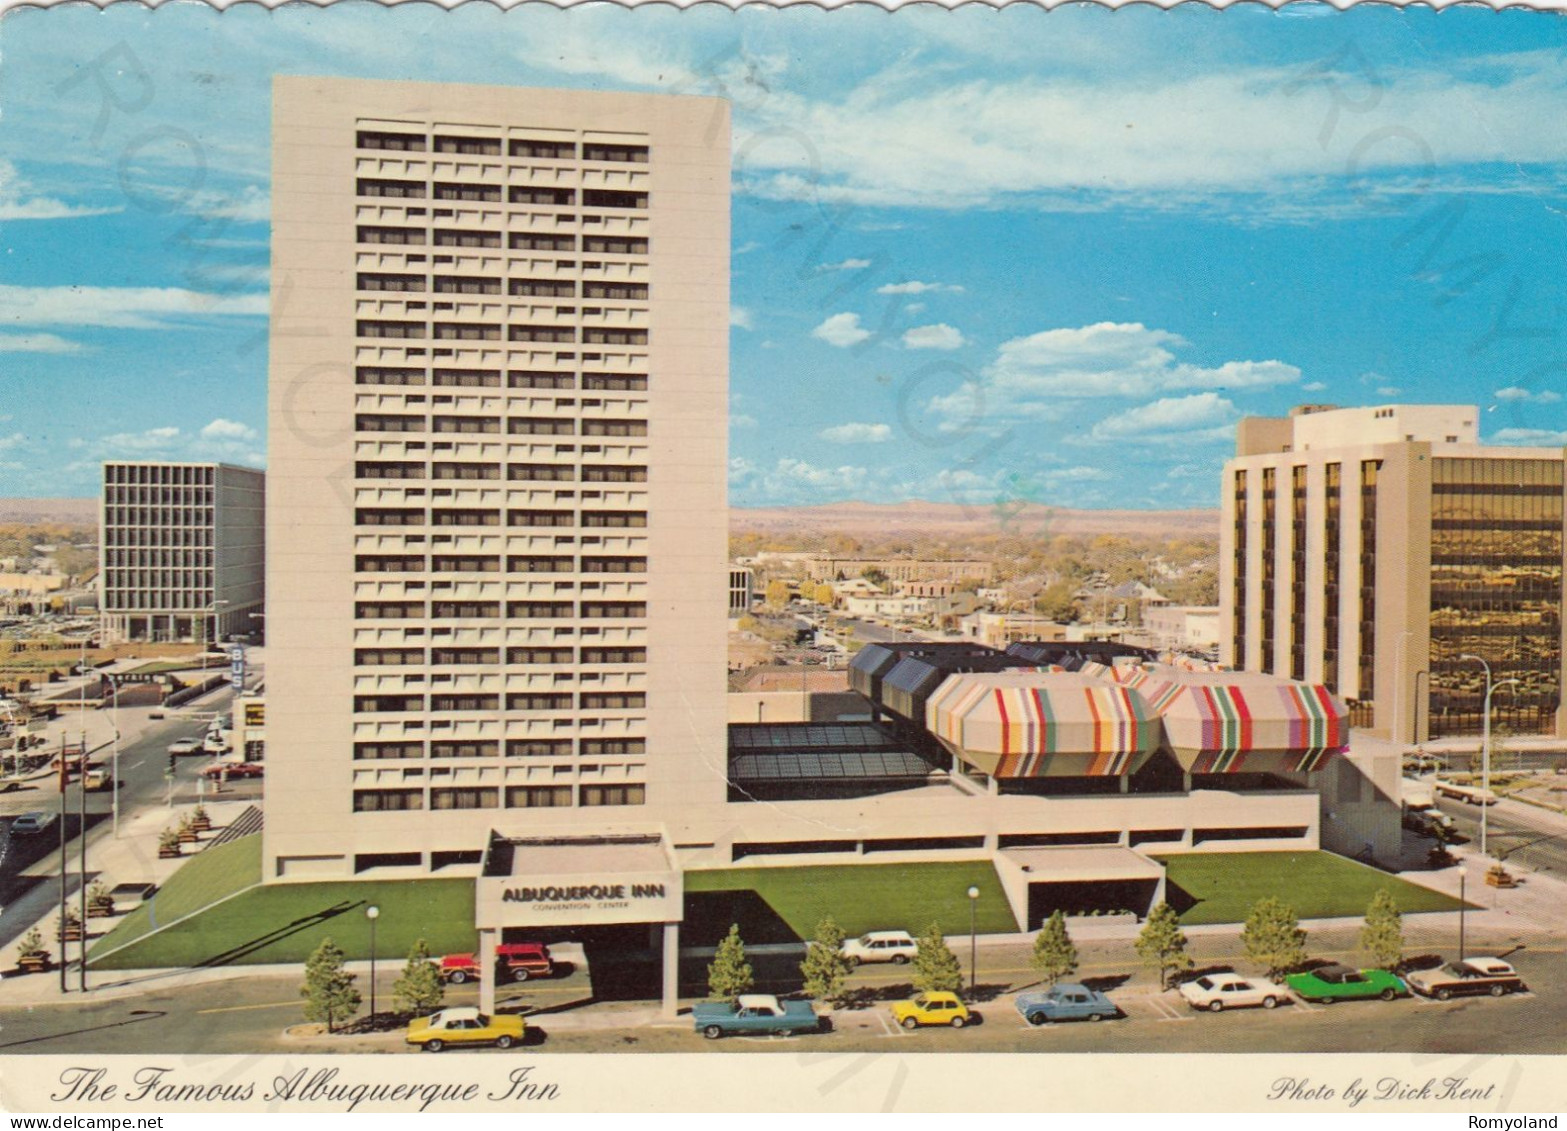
(1341, 983)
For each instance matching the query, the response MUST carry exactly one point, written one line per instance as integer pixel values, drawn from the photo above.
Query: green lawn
(285, 922)
(1318, 885)
(207, 877)
(784, 904)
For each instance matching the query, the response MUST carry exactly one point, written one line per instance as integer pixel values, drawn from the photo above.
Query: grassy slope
(871, 896)
(1318, 885)
(207, 877)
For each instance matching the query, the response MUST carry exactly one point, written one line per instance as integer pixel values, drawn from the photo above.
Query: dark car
(1469, 976)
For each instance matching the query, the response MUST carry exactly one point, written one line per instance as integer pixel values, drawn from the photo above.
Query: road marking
(241, 1008)
(1166, 1011)
(1306, 1007)
(892, 1029)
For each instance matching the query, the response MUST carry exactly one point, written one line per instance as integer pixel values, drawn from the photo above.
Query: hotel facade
(497, 601)
(181, 551)
(1373, 549)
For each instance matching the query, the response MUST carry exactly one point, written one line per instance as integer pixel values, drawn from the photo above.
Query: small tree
(729, 974)
(1272, 936)
(1162, 943)
(328, 991)
(825, 967)
(1383, 935)
(419, 989)
(32, 942)
(935, 966)
(776, 594)
(1054, 955)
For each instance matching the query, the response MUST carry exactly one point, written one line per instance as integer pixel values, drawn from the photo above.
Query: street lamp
(372, 913)
(1463, 903)
(114, 755)
(973, 935)
(1485, 744)
(209, 629)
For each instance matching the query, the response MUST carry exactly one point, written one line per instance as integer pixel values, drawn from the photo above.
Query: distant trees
(1058, 602)
(777, 594)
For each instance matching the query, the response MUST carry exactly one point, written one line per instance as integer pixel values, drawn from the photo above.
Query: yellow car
(933, 1008)
(465, 1026)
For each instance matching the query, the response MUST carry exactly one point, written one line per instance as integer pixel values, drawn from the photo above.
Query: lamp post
(1485, 744)
(1463, 903)
(973, 936)
(114, 756)
(209, 629)
(372, 913)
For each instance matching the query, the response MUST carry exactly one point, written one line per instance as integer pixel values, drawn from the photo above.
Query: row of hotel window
(404, 749)
(516, 241)
(591, 520)
(488, 797)
(550, 150)
(491, 378)
(396, 657)
(491, 425)
(491, 332)
(521, 701)
(159, 475)
(488, 285)
(518, 194)
(516, 472)
(491, 610)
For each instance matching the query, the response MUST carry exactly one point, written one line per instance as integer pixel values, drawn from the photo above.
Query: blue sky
(978, 255)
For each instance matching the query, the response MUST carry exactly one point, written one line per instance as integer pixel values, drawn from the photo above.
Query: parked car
(234, 770)
(462, 1026)
(1469, 976)
(183, 746)
(1217, 992)
(880, 946)
(754, 1013)
(934, 1007)
(30, 824)
(1470, 794)
(1065, 1001)
(516, 962)
(1335, 982)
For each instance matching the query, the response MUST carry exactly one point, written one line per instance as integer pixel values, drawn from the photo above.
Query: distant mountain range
(956, 519)
(77, 512)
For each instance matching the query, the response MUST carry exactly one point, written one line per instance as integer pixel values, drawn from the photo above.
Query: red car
(233, 770)
(515, 961)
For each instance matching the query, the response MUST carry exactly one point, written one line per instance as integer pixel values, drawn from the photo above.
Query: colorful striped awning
(1029, 725)
(1219, 722)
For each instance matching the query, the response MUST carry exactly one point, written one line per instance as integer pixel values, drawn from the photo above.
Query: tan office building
(181, 551)
(1371, 549)
(498, 400)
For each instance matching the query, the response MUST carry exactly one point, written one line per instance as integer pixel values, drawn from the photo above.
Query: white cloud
(857, 433)
(221, 429)
(740, 318)
(910, 136)
(15, 440)
(937, 337)
(1388, 390)
(915, 287)
(152, 440)
(741, 420)
(126, 308)
(842, 330)
(1314, 386)
(36, 343)
(793, 482)
(1031, 377)
(1530, 437)
(747, 248)
(1197, 418)
(1524, 396)
(914, 307)
(18, 201)
(846, 265)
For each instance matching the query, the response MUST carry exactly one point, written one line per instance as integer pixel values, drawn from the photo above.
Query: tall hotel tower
(498, 400)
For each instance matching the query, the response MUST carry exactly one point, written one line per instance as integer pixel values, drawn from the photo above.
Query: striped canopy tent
(1033, 725)
(1234, 722)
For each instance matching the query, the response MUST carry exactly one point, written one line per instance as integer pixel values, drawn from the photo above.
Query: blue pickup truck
(756, 1014)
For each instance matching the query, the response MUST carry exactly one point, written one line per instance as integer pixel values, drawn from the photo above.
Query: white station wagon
(1217, 992)
(880, 946)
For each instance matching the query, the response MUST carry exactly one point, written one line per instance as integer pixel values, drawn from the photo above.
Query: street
(1525, 838)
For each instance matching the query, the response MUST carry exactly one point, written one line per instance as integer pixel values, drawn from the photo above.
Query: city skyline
(961, 272)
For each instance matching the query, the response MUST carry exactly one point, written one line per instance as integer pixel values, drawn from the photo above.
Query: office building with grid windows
(181, 551)
(1373, 549)
(498, 399)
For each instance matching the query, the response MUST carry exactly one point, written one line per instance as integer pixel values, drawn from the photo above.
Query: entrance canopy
(562, 881)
